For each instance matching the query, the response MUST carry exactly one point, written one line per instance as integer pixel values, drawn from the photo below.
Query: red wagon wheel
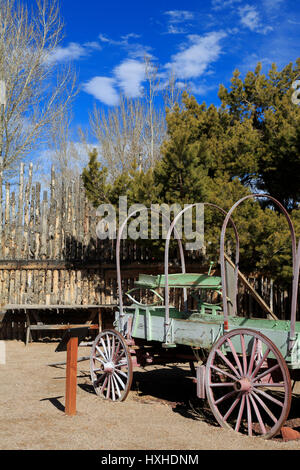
(111, 366)
(248, 391)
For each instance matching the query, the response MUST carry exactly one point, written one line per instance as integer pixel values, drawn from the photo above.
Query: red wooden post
(71, 379)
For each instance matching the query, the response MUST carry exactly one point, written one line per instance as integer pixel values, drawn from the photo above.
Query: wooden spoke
(225, 397)
(235, 356)
(266, 372)
(241, 411)
(228, 363)
(269, 397)
(224, 372)
(244, 355)
(249, 416)
(252, 358)
(264, 406)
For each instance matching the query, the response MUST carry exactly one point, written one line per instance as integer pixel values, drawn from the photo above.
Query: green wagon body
(202, 330)
(197, 329)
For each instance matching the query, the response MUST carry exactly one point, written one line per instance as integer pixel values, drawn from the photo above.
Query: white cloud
(127, 77)
(93, 45)
(73, 51)
(193, 60)
(178, 16)
(133, 49)
(220, 4)
(201, 89)
(103, 38)
(272, 4)
(174, 29)
(130, 74)
(129, 36)
(103, 89)
(250, 18)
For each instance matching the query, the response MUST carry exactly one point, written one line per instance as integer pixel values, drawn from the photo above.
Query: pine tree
(265, 102)
(94, 180)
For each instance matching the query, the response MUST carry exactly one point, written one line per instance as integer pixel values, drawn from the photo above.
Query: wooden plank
(7, 307)
(78, 288)
(6, 235)
(19, 220)
(57, 233)
(31, 224)
(72, 286)
(26, 213)
(37, 221)
(23, 284)
(52, 215)
(128, 270)
(48, 286)
(54, 291)
(51, 264)
(5, 297)
(12, 227)
(61, 327)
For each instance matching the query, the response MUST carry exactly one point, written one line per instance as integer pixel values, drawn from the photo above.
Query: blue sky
(202, 42)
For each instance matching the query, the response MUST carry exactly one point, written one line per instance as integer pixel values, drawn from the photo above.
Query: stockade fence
(52, 264)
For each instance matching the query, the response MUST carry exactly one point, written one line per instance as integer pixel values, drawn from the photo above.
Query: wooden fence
(50, 254)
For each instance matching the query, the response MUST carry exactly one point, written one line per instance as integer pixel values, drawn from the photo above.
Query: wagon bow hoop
(118, 264)
(166, 262)
(295, 258)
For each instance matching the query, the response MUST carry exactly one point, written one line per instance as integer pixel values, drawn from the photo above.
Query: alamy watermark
(152, 223)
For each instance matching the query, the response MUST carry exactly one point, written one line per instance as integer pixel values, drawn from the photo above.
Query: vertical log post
(71, 379)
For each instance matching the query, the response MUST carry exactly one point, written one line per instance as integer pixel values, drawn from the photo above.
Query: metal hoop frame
(119, 277)
(166, 263)
(295, 260)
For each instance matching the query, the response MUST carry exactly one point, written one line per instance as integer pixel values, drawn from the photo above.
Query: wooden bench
(35, 309)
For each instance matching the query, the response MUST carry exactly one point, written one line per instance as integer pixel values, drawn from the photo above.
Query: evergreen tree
(94, 180)
(265, 101)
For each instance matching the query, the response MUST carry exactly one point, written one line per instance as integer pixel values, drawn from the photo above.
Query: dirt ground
(159, 413)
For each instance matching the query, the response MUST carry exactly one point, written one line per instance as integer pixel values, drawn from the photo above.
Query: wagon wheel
(111, 366)
(250, 390)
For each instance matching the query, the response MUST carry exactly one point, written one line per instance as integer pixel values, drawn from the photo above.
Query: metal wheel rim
(111, 366)
(248, 398)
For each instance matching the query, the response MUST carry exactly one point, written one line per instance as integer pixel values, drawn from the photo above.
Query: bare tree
(132, 131)
(38, 92)
(151, 91)
(172, 93)
(122, 135)
(66, 154)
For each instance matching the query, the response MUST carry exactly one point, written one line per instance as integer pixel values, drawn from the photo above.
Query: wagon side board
(202, 330)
